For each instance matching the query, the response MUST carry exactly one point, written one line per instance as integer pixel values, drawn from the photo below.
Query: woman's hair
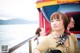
(38, 31)
(64, 17)
(70, 17)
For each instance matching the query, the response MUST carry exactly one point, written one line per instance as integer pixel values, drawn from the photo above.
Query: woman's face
(71, 24)
(57, 24)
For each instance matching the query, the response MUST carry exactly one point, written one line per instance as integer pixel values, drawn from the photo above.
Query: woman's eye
(55, 20)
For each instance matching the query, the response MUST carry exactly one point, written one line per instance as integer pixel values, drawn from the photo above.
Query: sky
(24, 9)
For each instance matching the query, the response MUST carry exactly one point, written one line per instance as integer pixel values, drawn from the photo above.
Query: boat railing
(22, 43)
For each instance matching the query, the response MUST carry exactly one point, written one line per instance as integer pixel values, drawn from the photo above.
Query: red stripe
(76, 32)
(47, 27)
(41, 20)
(72, 13)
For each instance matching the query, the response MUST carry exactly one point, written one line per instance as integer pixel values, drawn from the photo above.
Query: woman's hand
(36, 51)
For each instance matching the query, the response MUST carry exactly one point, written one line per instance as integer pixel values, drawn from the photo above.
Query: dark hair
(55, 51)
(64, 17)
(69, 16)
(38, 31)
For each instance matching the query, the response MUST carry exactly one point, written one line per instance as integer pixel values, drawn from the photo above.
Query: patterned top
(49, 43)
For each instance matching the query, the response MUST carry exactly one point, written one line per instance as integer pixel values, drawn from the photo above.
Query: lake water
(13, 34)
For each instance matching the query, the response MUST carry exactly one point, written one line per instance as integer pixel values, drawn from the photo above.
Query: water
(13, 34)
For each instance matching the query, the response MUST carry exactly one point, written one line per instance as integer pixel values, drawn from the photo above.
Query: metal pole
(30, 46)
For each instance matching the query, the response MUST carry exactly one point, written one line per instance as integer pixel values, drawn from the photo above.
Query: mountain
(16, 21)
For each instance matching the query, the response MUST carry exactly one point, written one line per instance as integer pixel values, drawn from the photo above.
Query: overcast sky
(25, 9)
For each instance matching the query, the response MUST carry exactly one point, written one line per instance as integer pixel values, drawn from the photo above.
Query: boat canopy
(64, 8)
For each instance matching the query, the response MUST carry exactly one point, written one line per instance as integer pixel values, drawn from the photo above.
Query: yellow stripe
(47, 3)
(68, 0)
(41, 4)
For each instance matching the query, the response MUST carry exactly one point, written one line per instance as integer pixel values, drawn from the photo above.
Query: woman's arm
(36, 51)
(76, 43)
(42, 47)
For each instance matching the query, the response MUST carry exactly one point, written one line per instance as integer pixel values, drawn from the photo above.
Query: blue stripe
(48, 10)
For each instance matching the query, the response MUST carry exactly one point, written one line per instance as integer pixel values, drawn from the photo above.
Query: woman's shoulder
(73, 36)
(45, 38)
(48, 36)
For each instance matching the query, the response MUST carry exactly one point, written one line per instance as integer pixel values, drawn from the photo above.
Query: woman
(71, 24)
(59, 39)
